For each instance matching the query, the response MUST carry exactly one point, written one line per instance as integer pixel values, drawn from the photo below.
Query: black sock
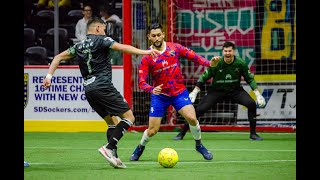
(184, 129)
(253, 124)
(110, 130)
(198, 142)
(118, 132)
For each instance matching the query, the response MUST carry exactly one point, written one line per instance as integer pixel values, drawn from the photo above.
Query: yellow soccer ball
(168, 157)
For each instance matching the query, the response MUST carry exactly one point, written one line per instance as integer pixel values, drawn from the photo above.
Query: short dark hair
(228, 44)
(154, 26)
(93, 21)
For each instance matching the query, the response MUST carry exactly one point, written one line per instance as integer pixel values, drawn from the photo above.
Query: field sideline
(75, 156)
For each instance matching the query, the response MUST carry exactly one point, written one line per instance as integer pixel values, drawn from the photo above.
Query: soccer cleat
(111, 157)
(120, 165)
(178, 137)
(137, 153)
(205, 153)
(255, 137)
(26, 164)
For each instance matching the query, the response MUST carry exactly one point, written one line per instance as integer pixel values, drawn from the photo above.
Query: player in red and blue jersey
(166, 70)
(168, 88)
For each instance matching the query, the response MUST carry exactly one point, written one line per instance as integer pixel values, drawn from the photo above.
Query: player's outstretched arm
(65, 55)
(192, 56)
(133, 50)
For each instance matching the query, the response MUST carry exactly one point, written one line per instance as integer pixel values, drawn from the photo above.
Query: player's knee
(132, 119)
(129, 116)
(192, 120)
(252, 105)
(152, 132)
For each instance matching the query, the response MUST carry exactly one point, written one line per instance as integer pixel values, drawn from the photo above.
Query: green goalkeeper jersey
(227, 77)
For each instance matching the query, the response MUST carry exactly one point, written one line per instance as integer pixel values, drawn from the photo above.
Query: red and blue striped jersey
(165, 69)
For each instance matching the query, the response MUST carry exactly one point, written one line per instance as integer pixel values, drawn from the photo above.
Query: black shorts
(107, 101)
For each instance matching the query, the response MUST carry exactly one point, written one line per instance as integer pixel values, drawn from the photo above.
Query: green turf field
(74, 156)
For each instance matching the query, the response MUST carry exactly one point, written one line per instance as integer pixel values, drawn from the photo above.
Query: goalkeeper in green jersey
(226, 84)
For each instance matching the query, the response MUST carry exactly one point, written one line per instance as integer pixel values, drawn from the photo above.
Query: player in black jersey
(227, 72)
(93, 55)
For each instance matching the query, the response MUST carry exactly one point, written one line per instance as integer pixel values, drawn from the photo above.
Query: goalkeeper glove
(193, 94)
(260, 98)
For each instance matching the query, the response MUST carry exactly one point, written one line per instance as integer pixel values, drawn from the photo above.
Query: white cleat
(120, 164)
(110, 156)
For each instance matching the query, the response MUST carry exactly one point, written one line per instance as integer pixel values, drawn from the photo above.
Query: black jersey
(94, 60)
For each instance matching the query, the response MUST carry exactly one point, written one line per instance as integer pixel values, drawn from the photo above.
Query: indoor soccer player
(168, 88)
(103, 97)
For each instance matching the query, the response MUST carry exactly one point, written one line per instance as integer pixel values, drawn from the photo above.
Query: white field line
(178, 149)
(180, 162)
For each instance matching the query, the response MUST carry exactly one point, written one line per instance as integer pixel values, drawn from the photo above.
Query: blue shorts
(160, 103)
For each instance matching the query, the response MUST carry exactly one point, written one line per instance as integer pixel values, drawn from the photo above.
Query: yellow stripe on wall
(275, 77)
(65, 126)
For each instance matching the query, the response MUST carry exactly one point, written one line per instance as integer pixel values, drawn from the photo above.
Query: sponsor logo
(165, 68)
(172, 53)
(164, 63)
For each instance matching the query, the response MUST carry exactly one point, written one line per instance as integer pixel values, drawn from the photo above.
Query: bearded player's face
(228, 53)
(156, 37)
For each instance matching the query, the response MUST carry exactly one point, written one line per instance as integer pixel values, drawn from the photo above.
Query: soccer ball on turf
(168, 157)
